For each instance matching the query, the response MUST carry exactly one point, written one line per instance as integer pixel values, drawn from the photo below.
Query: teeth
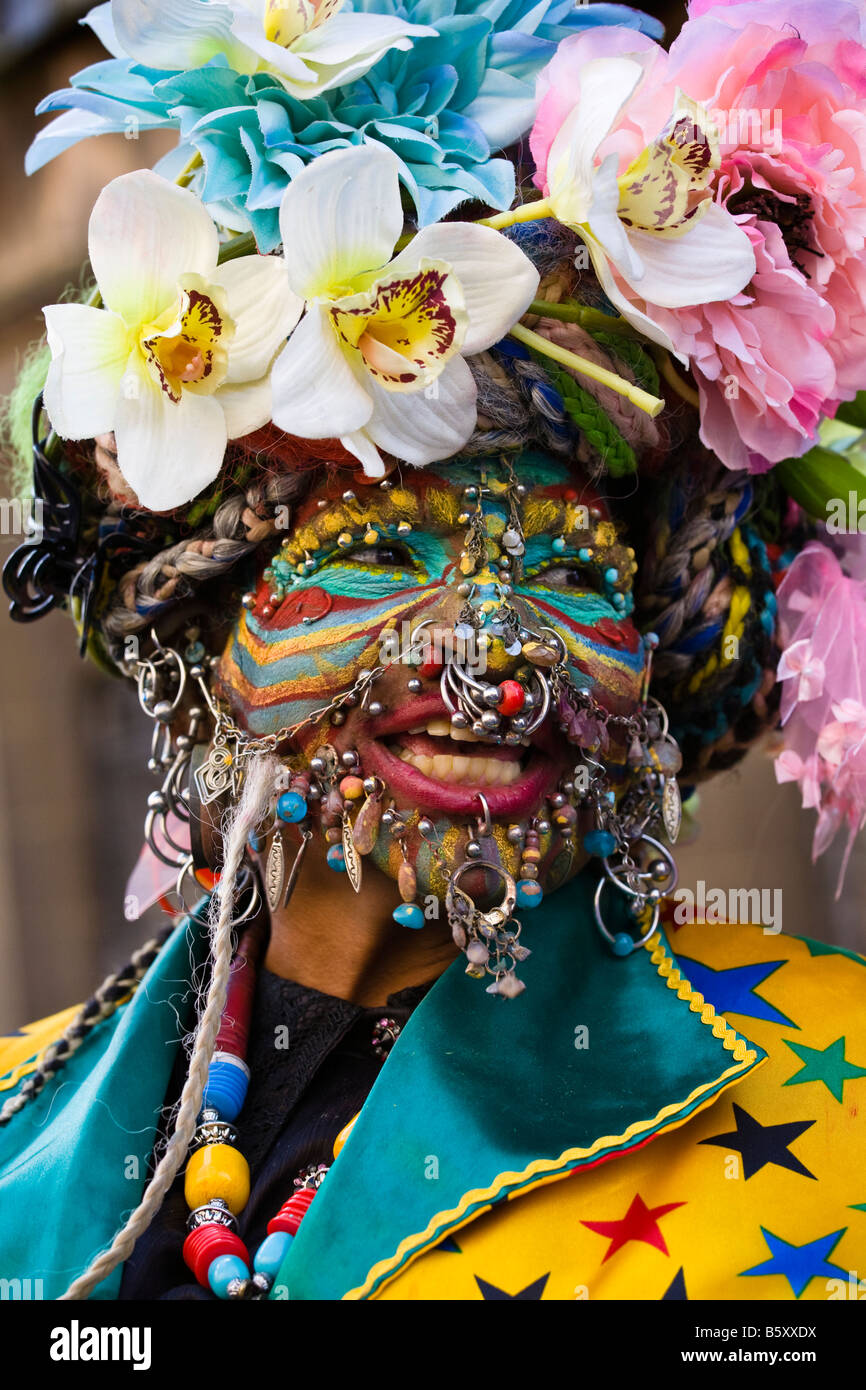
(464, 735)
(485, 772)
(439, 728)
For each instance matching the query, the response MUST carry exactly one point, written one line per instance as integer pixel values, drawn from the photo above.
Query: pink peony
(785, 84)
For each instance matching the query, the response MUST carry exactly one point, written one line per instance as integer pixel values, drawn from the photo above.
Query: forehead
(434, 498)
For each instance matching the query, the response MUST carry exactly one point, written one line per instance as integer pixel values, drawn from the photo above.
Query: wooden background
(73, 743)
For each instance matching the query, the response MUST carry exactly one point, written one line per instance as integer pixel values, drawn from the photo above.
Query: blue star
(531, 1293)
(799, 1263)
(733, 991)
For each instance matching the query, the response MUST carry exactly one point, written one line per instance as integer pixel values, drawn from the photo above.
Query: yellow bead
(217, 1170)
(344, 1134)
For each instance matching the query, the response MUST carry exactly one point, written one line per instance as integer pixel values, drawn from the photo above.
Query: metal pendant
(350, 854)
(275, 872)
(672, 809)
(217, 775)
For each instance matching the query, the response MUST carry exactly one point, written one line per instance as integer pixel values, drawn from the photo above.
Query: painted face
(364, 567)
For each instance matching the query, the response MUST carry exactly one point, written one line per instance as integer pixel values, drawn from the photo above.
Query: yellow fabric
(20, 1052)
(709, 1204)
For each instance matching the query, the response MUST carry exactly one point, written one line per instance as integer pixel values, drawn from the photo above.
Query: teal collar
(484, 1098)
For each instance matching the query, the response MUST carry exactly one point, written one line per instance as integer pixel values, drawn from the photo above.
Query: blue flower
(446, 108)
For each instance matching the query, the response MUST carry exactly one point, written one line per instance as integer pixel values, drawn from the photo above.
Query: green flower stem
(527, 212)
(593, 320)
(642, 399)
(243, 245)
(673, 378)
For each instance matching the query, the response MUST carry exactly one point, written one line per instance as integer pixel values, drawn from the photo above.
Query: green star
(829, 1066)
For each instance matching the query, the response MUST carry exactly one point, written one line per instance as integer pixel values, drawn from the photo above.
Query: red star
(639, 1223)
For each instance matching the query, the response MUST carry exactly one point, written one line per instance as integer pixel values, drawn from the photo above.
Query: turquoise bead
(529, 893)
(558, 544)
(291, 807)
(599, 842)
(336, 859)
(623, 944)
(271, 1253)
(619, 600)
(611, 574)
(409, 915)
(584, 553)
(223, 1270)
(256, 843)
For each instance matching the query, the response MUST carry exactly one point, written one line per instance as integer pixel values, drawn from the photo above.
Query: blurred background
(73, 742)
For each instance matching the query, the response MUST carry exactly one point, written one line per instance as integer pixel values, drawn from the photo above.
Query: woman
(426, 725)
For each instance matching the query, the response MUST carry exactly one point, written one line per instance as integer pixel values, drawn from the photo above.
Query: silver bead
(505, 562)
(349, 758)
(376, 708)
(543, 827)
(249, 600)
(351, 700)
(153, 765)
(196, 712)
(490, 721)
(163, 711)
(459, 720)
(506, 590)
(415, 685)
(557, 799)
(530, 700)
(568, 788)
(348, 496)
(659, 870)
(387, 817)
(404, 528)
(317, 764)
(338, 717)
(464, 590)
(520, 490)
(157, 802)
(515, 834)
(513, 738)
(473, 850)
(196, 671)
(315, 793)
(511, 538)
(529, 871)
(183, 742)
(519, 723)
(385, 485)
(275, 598)
(478, 728)
(491, 695)
(425, 826)
(369, 785)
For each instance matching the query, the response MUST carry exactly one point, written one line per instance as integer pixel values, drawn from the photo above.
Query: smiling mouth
(439, 751)
(437, 767)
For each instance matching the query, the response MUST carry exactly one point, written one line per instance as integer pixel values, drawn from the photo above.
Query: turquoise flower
(446, 108)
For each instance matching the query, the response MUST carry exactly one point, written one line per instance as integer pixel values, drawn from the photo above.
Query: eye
(384, 556)
(569, 576)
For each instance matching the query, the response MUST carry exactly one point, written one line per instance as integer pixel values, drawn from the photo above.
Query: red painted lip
(520, 799)
(423, 708)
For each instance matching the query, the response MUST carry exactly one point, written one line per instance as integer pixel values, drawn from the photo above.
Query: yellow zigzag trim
(744, 1058)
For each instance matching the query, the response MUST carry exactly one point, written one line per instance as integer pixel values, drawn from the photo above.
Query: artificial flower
(178, 360)
(784, 84)
(378, 359)
(445, 108)
(633, 178)
(308, 45)
(822, 627)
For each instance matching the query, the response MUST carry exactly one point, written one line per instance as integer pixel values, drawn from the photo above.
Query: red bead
(569, 495)
(513, 698)
(205, 1243)
(427, 669)
(292, 1212)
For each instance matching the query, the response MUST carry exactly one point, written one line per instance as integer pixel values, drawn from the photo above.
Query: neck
(347, 944)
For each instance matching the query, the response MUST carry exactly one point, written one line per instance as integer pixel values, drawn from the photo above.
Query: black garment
(300, 1097)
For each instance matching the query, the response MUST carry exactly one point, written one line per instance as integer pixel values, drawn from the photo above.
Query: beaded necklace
(217, 1182)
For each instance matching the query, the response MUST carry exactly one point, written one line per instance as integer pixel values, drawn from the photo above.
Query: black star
(676, 1288)
(760, 1144)
(532, 1291)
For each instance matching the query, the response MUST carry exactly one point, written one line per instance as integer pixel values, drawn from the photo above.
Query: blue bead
(584, 553)
(619, 600)
(529, 893)
(256, 843)
(599, 842)
(271, 1253)
(291, 807)
(409, 915)
(611, 574)
(336, 859)
(226, 1087)
(623, 944)
(223, 1270)
(559, 544)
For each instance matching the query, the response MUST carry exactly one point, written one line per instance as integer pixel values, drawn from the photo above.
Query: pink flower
(799, 662)
(785, 84)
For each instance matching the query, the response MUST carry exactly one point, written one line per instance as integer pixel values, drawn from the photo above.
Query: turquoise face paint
(351, 571)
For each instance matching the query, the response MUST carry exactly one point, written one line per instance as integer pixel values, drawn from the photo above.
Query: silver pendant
(275, 872)
(217, 775)
(350, 854)
(672, 809)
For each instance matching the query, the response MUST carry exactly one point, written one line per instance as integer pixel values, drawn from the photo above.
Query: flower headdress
(335, 247)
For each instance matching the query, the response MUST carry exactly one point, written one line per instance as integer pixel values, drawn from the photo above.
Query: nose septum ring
(514, 709)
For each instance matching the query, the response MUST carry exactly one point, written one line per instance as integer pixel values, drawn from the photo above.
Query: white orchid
(178, 360)
(378, 359)
(306, 44)
(655, 228)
